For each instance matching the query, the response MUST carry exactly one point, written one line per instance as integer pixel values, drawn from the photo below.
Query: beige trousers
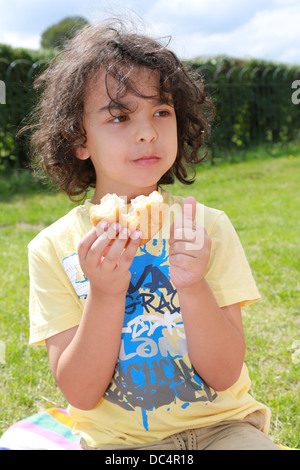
(227, 435)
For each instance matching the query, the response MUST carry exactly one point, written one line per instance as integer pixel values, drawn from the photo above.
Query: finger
(183, 261)
(96, 245)
(105, 241)
(187, 219)
(115, 250)
(113, 230)
(87, 241)
(189, 208)
(97, 250)
(182, 247)
(183, 230)
(130, 250)
(101, 227)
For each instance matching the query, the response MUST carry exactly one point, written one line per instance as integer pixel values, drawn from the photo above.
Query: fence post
(18, 97)
(2, 92)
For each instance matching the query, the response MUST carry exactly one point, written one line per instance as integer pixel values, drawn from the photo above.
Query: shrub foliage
(253, 100)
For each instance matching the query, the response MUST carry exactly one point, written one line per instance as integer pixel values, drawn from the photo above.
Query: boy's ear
(82, 153)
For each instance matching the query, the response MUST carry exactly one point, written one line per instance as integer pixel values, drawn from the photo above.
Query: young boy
(146, 342)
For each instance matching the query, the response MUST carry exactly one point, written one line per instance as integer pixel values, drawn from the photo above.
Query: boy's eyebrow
(111, 107)
(123, 106)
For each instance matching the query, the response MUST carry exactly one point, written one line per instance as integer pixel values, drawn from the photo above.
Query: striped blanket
(50, 429)
(47, 430)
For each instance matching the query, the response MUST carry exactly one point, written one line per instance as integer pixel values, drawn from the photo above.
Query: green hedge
(253, 100)
(17, 72)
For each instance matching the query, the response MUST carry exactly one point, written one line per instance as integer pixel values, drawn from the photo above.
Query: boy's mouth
(147, 160)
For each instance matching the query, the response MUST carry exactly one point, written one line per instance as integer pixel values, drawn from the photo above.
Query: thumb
(189, 208)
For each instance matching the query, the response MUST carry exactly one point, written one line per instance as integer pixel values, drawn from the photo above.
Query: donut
(145, 213)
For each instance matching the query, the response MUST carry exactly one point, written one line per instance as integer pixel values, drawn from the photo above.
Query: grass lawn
(261, 198)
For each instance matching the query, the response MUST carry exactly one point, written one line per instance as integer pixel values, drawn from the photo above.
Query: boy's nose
(146, 132)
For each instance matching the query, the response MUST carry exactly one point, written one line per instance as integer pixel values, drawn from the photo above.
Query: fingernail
(136, 234)
(102, 226)
(116, 226)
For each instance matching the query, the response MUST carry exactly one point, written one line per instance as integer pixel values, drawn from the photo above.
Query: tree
(56, 35)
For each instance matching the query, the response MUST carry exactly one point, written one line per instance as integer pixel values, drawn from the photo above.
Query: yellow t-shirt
(155, 392)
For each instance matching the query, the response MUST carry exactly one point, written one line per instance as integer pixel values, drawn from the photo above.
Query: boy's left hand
(189, 248)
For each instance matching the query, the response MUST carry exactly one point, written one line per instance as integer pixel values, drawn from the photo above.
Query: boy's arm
(83, 358)
(214, 335)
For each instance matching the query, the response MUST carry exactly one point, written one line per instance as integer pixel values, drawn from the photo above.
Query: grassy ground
(261, 198)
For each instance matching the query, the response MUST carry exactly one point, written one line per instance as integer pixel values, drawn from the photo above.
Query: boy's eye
(162, 113)
(120, 118)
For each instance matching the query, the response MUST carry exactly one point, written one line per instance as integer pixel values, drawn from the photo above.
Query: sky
(261, 29)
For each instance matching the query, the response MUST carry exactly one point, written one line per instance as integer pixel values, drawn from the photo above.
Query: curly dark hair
(59, 129)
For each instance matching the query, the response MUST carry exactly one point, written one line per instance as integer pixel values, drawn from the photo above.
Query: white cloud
(205, 16)
(23, 22)
(16, 39)
(266, 29)
(270, 35)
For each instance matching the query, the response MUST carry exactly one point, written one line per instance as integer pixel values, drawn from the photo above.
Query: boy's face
(130, 151)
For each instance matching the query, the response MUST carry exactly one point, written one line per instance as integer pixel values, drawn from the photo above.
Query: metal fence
(16, 102)
(254, 106)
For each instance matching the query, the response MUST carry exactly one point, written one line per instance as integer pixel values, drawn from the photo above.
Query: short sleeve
(53, 304)
(228, 273)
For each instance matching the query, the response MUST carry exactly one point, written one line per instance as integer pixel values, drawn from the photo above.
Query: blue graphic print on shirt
(152, 371)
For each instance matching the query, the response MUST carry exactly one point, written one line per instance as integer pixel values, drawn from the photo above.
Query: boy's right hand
(107, 266)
